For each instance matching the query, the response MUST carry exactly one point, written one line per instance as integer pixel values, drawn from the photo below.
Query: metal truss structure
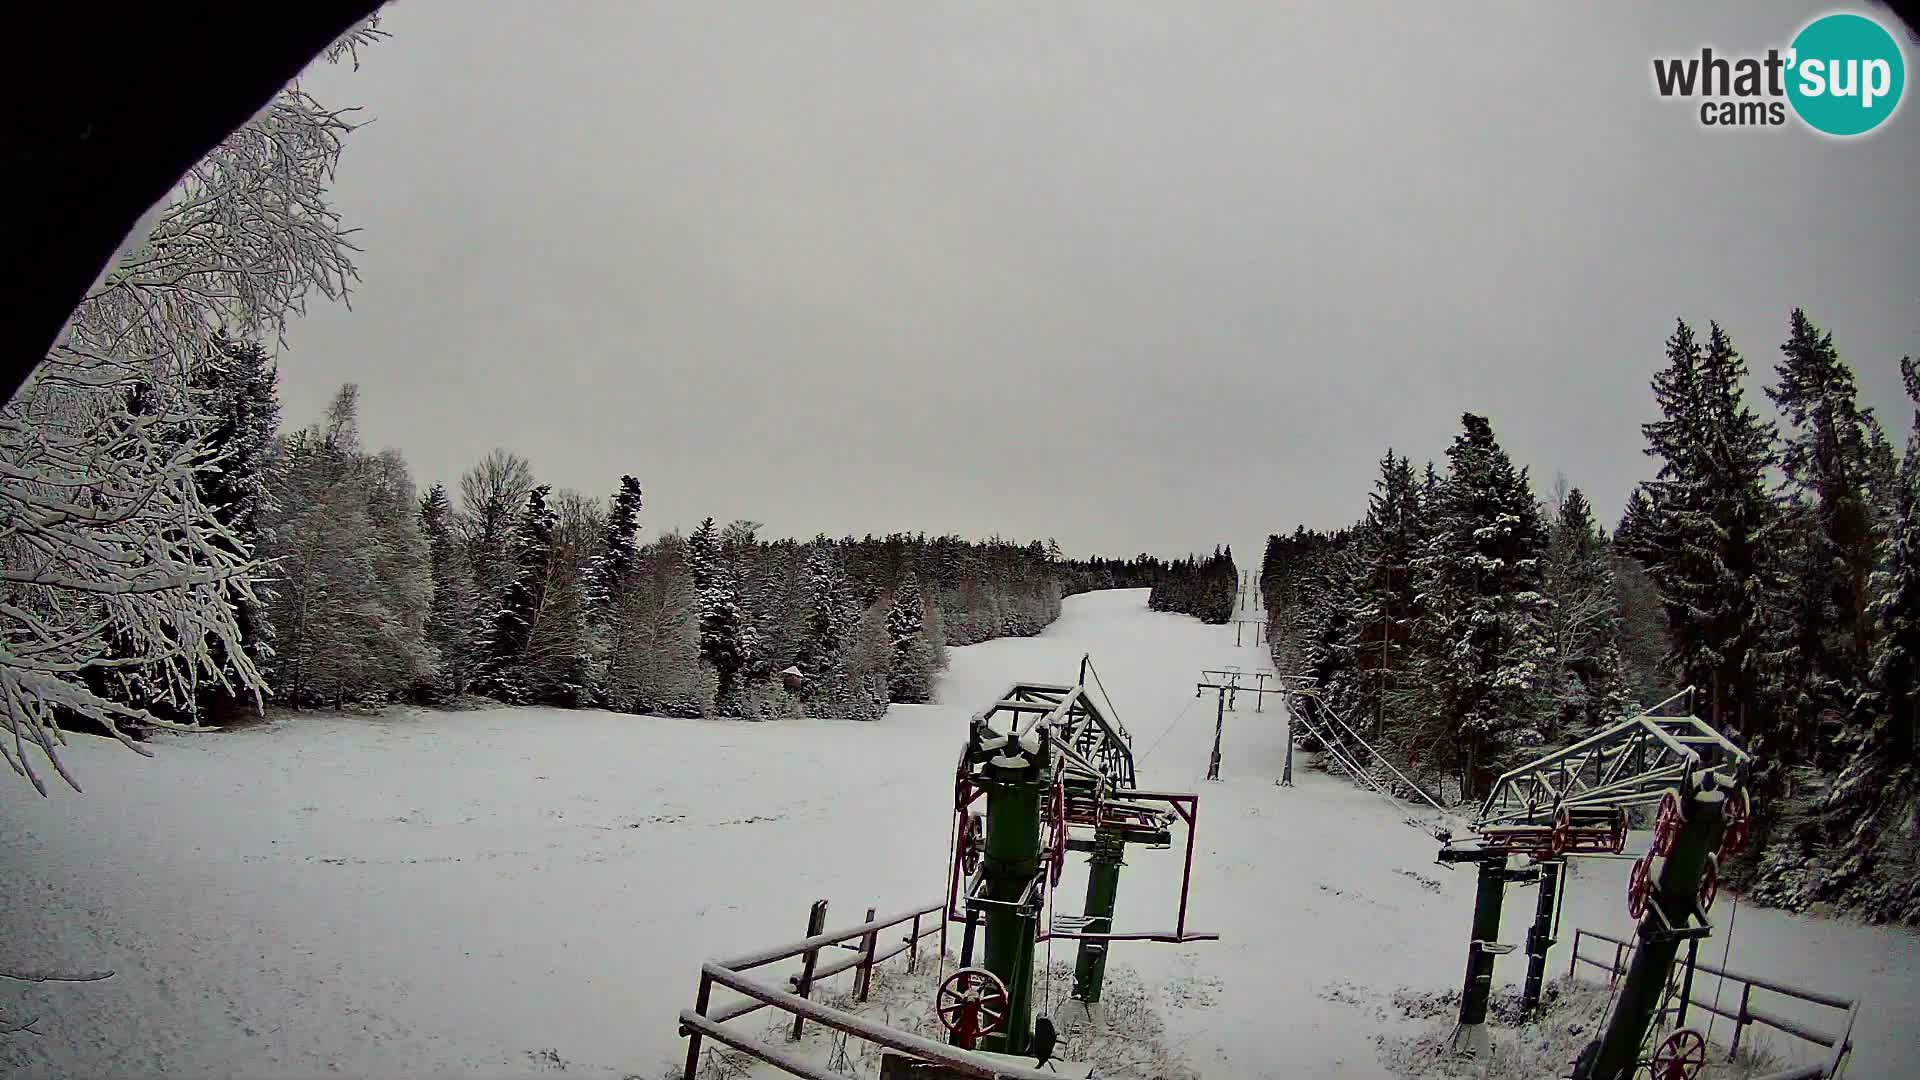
(1574, 800)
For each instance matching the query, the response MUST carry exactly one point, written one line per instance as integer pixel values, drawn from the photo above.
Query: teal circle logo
(1846, 76)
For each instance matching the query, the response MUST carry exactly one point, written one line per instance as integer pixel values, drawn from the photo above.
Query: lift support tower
(1054, 774)
(1575, 802)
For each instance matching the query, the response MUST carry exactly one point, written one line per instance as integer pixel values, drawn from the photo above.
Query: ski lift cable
(1345, 757)
(1347, 760)
(1726, 953)
(1162, 737)
(1113, 711)
(1382, 758)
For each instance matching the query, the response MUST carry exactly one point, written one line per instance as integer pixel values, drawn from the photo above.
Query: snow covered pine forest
(1772, 562)
(180, 563)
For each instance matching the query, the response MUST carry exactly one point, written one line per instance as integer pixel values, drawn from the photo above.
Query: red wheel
(962, 784)
(1681, 1057)
(1666, 825)
(973, 841)
(1617, 839)
(1640, 886)
(971, 1002)
(1560, 840)
(1709, 883)
(1057, 823)
(1738, 811)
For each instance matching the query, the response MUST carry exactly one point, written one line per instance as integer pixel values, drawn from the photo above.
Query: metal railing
(705, 1022)
(1837, 1044)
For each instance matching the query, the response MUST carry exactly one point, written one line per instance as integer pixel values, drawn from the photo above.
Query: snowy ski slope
(506, 892)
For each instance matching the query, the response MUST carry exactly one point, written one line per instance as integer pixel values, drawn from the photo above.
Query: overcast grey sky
(1138, 276)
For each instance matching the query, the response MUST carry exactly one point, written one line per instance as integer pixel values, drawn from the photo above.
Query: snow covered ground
(510, 892)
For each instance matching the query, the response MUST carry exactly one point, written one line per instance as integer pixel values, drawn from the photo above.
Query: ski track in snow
(462, 893)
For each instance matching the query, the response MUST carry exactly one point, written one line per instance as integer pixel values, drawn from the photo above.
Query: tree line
(1203, 588)
(369, 591)
(1770, 564)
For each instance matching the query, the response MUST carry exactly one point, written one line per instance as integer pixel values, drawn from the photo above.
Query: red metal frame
(1184, 804)
(1187, 806)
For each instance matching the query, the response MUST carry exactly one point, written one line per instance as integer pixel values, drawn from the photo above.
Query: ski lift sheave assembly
(1046, 771)
(1575, 803)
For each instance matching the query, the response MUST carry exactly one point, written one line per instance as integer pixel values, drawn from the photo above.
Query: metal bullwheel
(962, 784)
(1666, 825)
(973, 841)
(1057, 827)
(1560, 841)
(1617, 838)
(1640, 886)
(972, 1002)
(1739, 811)
(1709, 882)
(1680, 1057)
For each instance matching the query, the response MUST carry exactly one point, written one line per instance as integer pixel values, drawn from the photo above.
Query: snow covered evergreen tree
(726, 636)
(1831, 455)
(236, 385)
(827, 654)
(1585, 685)
(912, 665)
(1484, 573)
(503, 674)
(538, 651)
(1826, 454)
(449, 628)
(1380, 597)
(1710, 518)
(619, 553)
(1875, 800)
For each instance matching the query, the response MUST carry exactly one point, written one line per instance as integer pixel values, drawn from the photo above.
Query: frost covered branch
(119, 584)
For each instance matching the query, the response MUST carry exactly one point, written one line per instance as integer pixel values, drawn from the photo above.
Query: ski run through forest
(336, 770)
(497, 891)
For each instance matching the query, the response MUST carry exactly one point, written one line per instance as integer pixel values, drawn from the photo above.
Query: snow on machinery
(1045, 771)
(1574, 802)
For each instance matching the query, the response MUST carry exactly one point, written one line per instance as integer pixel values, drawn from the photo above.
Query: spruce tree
(1826, 454)
(1379, 638)
(912, 668)
(1877, 791)
(726, 636)
(830, 620)
(613, 566)
(449, 626)
(504, 675)
(238, 395)
(1583, 623)
(1484, 565)
(1705, 543)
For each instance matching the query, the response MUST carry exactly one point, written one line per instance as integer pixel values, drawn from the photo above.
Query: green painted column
(1676, 888)
(1012, 858)
(1103, 889)
(1540, 936)
(1487, 902)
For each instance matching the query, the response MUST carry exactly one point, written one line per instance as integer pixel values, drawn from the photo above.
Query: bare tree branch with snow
(113, 571)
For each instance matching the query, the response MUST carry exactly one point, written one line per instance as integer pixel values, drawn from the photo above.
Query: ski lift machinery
(1575, 802)
(1046, 770)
